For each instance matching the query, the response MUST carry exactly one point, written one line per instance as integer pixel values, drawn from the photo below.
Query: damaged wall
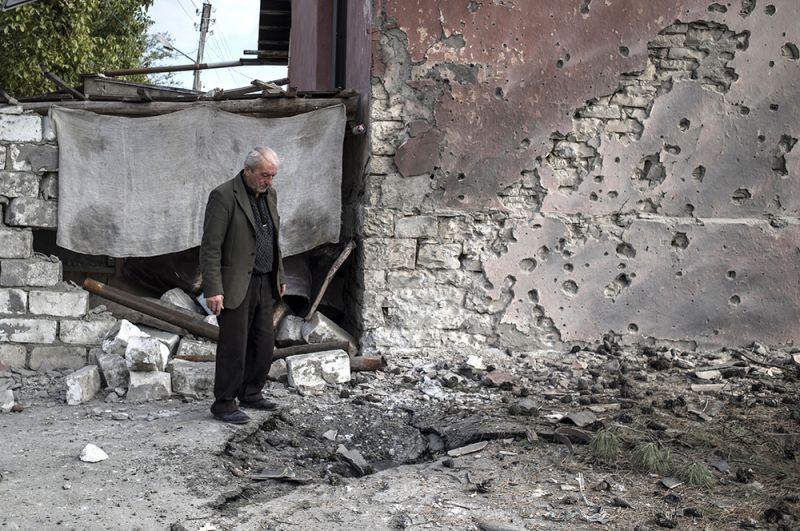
(551, 174)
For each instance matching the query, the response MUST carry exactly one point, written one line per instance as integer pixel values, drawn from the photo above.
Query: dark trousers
(244, 347)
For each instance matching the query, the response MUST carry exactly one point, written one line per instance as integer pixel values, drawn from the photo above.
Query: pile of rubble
(140, 363)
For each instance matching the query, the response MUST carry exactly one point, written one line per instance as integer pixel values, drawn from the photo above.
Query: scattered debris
(468, 449)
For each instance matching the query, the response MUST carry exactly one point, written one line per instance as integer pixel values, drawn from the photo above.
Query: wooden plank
(266, 107)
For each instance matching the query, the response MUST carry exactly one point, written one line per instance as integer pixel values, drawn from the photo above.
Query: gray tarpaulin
(138, 186)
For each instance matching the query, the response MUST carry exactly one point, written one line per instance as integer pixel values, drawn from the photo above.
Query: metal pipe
(280, 353)
(367, 363)
(153, 309)
(178, 68)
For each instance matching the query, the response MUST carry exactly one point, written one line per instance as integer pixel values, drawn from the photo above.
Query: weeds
(649, 457)
(698, 475)
(605, 445)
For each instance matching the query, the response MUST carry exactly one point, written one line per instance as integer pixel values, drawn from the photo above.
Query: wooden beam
(266, 107)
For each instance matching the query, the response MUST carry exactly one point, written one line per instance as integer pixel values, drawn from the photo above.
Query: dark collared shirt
(264, 232)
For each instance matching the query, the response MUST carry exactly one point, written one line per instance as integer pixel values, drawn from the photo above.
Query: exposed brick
(34, 157)
(85, 332)
(13, 355)
(57, 357)
(13, 301)
(19, 184)
(30, 212)
(36, 272)
(21, 127)
(72, 303)
(416, 227)
(439, 255)
(15, 243)
(20, 330)
(386, 253)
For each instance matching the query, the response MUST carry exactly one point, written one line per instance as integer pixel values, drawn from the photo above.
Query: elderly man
(242, 278)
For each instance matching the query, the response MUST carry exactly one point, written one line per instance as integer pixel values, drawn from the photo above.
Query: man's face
(258, 179)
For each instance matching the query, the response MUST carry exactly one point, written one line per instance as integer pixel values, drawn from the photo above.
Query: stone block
(34, 157)
(318, 369)
(31, 212)
(194, 379)
(82, 385)
(168, 338)
(320, 329)
(194, 350)
(57, 357)
(181, 299)
(85, 332)
(439, 255)
(21, 330)
(116, 339)
(6, 400)
(12, 356)
(19, 184)
(15, 243)
(146, 354)
(20, 127)
(389, 253)
(416, 227)
(72, 303)
(405, 192)
(146, 386)
(48, 129)
(13, 301)
(290, 331)
(377, 222)
(37, 272)
(277, 372)
(114, 370)
(48, 186)
(381, 165)
(2, 156)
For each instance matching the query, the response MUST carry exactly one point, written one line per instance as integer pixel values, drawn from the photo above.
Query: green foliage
(649, 457)
(698, 475)
(605, 445)
(70, 37)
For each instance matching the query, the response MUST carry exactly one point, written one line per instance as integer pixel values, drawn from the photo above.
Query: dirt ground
(636, 420)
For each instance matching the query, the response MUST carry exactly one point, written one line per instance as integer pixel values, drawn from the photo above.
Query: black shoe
(262, 404)
(233, 417)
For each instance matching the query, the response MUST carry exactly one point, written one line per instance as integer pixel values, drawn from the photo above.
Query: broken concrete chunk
(318, 369)
(146, 386)
(499, 379)
(6, 400)
(278, 371)
(468, 449)
(320, 329)
(170, 339)
(354, 459)
(146, 354)
(82, 385)
(115, 370)
(476, 362)
(290, 331)
(116, 340)
(92, 454)
(194, 350)
(708, 375)
(194, 379)
(181, 299)
(708, 388)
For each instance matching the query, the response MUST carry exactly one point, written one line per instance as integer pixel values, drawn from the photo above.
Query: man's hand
(283, 289)
(215, 304)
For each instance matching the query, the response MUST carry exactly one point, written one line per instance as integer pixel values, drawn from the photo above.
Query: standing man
(242, 279)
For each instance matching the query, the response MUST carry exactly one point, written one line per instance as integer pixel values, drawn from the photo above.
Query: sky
(233, 29)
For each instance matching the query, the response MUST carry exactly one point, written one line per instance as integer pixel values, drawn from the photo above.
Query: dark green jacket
(228, 248)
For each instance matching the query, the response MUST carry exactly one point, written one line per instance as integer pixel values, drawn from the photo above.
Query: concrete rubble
(148, 386)
(82, 385)
(192, 379)
(146, 354)
(315, 371)
(6, 400)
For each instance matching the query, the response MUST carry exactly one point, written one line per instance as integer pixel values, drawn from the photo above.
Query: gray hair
(258, 154)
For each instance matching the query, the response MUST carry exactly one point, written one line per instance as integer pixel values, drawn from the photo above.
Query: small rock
(120, 416)
(6, 400)
(663, 520)
(330, 435)
(354, 459)
(277, 371)
(708, 375)
(476, 362)
(92, 454)
(500, 379)
(694, 512)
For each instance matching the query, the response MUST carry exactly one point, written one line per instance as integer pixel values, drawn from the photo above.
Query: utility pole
(204, 20)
